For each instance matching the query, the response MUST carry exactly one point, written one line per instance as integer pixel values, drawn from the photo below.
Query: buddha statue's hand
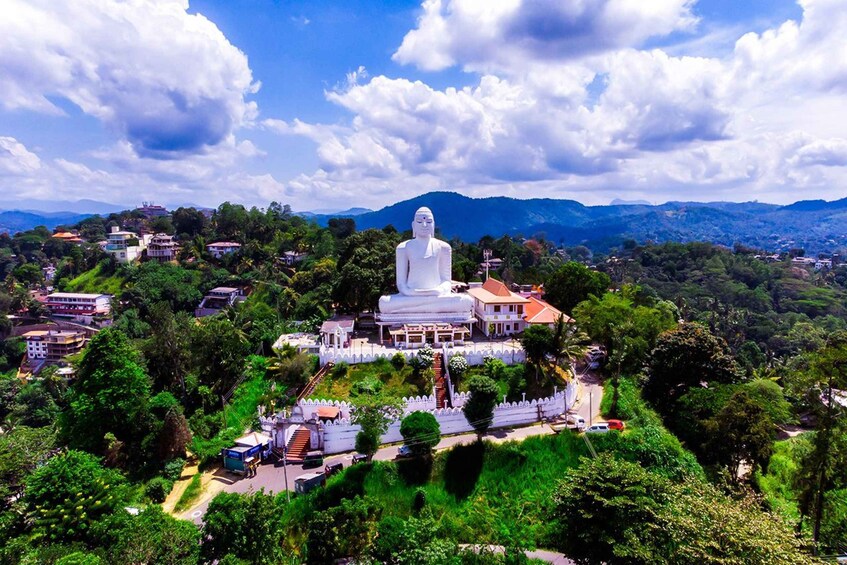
(426, 292)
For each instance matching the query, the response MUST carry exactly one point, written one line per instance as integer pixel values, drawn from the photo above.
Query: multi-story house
(217, 299)
(221, 248)
(162, 248)
(52, 346)
(78, 306)
(498, 310)
(125, 246)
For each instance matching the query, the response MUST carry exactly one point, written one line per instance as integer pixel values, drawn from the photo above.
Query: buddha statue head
(424, 223)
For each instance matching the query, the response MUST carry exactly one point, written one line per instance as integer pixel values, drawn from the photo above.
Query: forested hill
(14, 221)
(813, 225)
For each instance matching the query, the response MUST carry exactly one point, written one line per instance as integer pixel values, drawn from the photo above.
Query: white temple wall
(474, 355)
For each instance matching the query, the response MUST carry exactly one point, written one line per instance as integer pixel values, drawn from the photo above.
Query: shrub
(426, 355)
(157, 489)
(458, 366)
(398, 361)
(173, 469)
(340, 370)
(420, 500)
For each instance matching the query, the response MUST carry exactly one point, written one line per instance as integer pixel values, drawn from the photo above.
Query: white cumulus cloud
(167, 81)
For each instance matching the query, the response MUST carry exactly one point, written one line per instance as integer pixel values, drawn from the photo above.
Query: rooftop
(540, 312)
(495, 292)
(80, 295)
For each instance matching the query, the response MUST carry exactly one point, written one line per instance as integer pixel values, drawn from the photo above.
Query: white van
(599, 428)
(576, 422)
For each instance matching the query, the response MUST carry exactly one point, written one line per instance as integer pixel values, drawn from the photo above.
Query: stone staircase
(442, 398)
(314, 381)
(298, 446)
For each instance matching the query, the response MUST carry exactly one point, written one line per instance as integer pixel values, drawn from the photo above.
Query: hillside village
(232, 371)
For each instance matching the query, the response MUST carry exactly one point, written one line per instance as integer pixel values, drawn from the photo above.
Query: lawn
(347, 381)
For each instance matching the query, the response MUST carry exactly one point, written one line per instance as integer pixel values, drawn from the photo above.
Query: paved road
(272, 478)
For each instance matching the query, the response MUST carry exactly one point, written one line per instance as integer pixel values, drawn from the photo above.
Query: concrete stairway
(298, 446)
(441, 396)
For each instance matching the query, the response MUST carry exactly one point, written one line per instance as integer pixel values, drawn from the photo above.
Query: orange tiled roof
(540, 312)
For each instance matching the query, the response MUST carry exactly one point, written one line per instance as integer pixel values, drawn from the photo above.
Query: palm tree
(568, 342)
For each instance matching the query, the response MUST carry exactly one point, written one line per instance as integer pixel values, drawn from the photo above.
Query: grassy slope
(94, 281)
(497, 494)
(239, 413)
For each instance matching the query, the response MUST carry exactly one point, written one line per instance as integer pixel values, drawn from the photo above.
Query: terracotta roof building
(498, 310)
(541, 313)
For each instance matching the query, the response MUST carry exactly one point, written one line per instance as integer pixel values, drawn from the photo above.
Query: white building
(78, 306)
(53, 345)
(217, 299)
(293, 257)
(498, 310)
(162, 248)
(221, 248)
(125, 246)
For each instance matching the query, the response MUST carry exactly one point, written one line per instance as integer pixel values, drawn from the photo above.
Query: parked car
(313, 459)
(616, 425)
(404, 452)
(598, 428)
(360, 458)
(333, 468)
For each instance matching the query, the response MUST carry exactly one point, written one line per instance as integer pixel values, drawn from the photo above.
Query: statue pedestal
(425, 318)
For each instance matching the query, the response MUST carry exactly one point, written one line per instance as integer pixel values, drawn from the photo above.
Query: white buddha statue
(424, 272)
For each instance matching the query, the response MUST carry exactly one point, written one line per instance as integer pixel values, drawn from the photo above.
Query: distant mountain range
(13, 221)
(814, 225)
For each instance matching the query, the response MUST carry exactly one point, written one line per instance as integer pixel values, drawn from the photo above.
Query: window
(520, 310)
(497, 308)
(508, 327)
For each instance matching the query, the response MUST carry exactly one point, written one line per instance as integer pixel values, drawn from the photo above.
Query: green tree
(742, 432)
(365, 270)
(421, 432)
(151, 537)
(536, 342)
(69, 494)
(245, 524)
(617, 319)
(22, 449)
(110, 395)
(827, 373)
(683, 358)
(572, 283)
(219, 351)
(345, 530)
(479, 407)
(168, 349)
(608, 511)
(189, 221)
(374, 413)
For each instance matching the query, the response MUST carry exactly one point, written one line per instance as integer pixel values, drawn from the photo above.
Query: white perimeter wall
(341, 436)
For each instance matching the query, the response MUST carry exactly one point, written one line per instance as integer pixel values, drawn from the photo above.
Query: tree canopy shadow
(463, 468)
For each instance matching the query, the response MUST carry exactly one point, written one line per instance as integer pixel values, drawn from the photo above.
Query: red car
(616, 425)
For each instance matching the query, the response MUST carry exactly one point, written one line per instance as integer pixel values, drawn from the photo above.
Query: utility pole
(486, 253)
(590, 408)
(223, 407)
(285, 473)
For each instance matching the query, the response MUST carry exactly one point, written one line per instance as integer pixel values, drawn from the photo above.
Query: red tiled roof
(540, 312)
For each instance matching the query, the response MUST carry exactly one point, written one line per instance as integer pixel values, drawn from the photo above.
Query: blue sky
(328, 105)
